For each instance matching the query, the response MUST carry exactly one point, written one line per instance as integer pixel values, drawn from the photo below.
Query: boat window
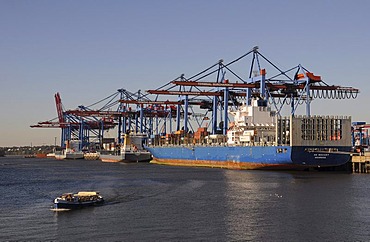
(281, 150)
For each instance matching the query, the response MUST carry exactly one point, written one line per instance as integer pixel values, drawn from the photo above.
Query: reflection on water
(249, 198)
(295, 206)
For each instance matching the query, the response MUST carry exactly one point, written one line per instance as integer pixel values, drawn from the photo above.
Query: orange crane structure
(80, 124)
(123, 110)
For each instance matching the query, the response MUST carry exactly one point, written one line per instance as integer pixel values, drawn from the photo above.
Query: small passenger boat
(78, 200)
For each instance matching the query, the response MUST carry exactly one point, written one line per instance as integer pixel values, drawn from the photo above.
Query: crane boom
(202, 93)
(58, 103)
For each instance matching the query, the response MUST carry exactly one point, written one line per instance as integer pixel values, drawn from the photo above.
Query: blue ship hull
(77, 205)
(250, 157)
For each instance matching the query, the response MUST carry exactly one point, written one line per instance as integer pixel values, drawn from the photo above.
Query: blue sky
(86, 50)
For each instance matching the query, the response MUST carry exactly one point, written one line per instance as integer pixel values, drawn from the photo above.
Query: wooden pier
(361, 163)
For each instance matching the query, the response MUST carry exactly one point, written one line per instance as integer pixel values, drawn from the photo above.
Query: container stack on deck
(200, 135)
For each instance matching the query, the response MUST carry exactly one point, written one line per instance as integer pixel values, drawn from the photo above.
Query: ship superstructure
(252, 124)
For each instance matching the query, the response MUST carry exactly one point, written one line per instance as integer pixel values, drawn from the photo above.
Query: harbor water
(146, 202)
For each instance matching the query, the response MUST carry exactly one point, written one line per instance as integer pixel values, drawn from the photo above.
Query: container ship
(259, 139)
(253, 133)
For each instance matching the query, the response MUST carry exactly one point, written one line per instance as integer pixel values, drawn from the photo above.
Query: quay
(361, 163)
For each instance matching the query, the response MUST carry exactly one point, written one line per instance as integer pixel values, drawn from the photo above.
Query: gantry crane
(79, 125)
(291, 87)
(214, 90)
(125, 110)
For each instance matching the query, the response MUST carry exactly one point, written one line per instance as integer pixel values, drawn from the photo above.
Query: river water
(146, 202)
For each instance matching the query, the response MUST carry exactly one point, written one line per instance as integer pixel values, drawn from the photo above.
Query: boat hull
(69, 156)
(127, 158)
(77, 205)
(74, 156)
(249, 157)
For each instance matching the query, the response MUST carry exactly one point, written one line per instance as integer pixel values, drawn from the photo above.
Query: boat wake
(59, 209)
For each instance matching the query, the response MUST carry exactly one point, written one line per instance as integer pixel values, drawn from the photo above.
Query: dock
(361, 163)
